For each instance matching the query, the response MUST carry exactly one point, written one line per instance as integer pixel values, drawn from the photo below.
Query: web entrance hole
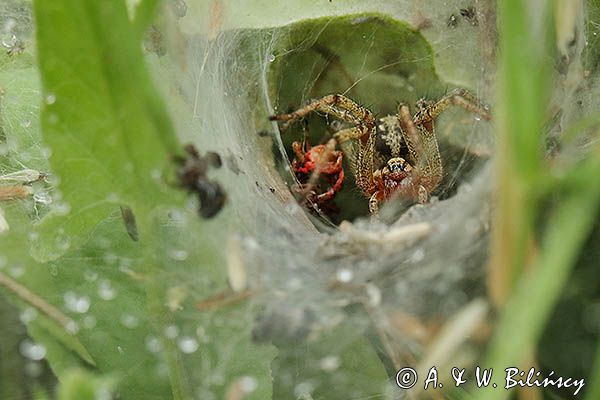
(376, 61)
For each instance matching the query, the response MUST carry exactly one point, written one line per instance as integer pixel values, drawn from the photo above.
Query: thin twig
(37, 302)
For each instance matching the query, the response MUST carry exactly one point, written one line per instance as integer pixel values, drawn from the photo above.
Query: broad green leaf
(111, 144)
(109, 134)
(80, 385)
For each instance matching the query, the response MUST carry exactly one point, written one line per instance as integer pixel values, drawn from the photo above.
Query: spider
(319, 161)
(398, 156)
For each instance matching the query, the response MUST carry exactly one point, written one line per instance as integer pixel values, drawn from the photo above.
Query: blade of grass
(524, 78)
(526, 312)
(593, 392)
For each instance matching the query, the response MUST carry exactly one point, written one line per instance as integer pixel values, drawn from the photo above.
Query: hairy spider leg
(334, 104)
(362, 165)
(423, 149)
(457, 97)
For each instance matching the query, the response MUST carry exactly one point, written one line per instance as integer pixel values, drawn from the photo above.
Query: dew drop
(171, 331)
(129, 321)
(72, 327)
(201, 333)
(303, 390)
(50, 98)
(75, 303)
(188, 345)
(344, 275)
(10, 41)
(329, 363)
(29, 314)
(248, 384)
(178, 255)
(32, 350)
(106, 291)
(153, 344)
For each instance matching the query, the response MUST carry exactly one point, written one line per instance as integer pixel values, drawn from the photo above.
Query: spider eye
(398, 164)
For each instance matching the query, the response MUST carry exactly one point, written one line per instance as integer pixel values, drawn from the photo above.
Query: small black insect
(130, 224)
(192, 176)
(470, 15)
(452, 21)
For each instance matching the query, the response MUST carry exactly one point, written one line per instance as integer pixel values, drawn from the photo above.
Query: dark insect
(130, 224)
(192, 176)
(470, 15)
(452, 21)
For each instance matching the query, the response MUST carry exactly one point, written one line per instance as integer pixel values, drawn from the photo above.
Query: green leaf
(80, 385)
(109, 133)
(111, 141)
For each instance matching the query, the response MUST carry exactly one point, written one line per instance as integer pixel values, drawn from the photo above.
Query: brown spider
(409, 165)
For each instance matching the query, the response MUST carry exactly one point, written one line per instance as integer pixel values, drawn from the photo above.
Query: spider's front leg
(457, 97)
(337, 105)
(423, 148)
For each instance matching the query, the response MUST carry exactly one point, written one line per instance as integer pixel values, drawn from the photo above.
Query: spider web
(395, 278)
(320, 284)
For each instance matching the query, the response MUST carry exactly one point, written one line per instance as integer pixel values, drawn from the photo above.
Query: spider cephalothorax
(319, 163)
(410, 167)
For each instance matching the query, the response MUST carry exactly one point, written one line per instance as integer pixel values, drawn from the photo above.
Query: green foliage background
(108, 140)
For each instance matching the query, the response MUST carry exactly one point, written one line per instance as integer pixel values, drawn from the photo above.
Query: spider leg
(457, 97)
(409, 132)
(346, 135)
(334, 104)
(374, 203)
(337, 186)
(362, 165)
(297, 147)
(423, 148)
